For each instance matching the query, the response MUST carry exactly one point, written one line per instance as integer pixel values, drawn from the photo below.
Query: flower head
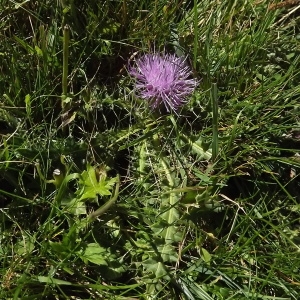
(163, 80)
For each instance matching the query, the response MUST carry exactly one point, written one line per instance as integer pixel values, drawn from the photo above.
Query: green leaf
(93, 186)
(114, 270)
(61, 250)
(205, 255)
(39, 51)
(74, 206)
(28, 104)
(58, 247)
(155, 267)
(25, 45)
(50, 280)
(25, 245)
(168, 253)
(197, 147)
(95, 254)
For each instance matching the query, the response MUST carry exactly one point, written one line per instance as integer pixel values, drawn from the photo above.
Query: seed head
(163, 80)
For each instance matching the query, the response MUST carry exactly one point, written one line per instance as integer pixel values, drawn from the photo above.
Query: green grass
(200, 205)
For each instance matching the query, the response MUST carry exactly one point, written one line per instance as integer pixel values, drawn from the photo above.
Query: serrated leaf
(93, 187)
(95, 254)
(58, 247)
(168, 232)
(155, 267)
(168, 253)
(75, 207)
(114, 270)
(168, 229)
(197, 147)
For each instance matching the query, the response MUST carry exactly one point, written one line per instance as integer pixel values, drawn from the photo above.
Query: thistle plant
(163, 80)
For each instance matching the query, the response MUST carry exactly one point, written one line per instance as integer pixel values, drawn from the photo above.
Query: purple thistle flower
(163, 80)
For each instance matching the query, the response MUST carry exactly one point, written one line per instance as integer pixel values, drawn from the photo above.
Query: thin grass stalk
(66, 40)
(215, 138)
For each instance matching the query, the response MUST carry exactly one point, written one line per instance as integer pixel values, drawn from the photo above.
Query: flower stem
(105, 207)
